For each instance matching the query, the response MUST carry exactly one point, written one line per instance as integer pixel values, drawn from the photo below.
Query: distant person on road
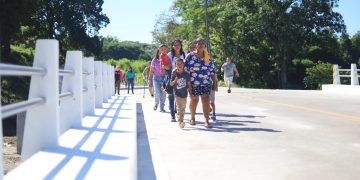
(118, 79)
(229, 69)
(148, 78)
(129, 77)
(201, 69)
(158, 80)
(180, 79)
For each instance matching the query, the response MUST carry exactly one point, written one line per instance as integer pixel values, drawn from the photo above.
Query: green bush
(318, 75)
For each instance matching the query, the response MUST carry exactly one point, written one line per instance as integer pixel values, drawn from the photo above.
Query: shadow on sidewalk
(145, 166)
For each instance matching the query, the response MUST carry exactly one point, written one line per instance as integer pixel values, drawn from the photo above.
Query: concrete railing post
(354, 75)
(42, 123)
(20, 123)
(336, 77)
(89, 95)
(113, 80)
(98, 84)
(104, 82)
(71, 110)
(110, 84)
(1, 140)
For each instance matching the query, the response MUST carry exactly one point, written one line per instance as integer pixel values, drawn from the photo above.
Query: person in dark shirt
(180, 79)
(118, 79)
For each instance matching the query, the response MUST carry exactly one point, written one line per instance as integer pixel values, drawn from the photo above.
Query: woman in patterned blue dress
(201, 70)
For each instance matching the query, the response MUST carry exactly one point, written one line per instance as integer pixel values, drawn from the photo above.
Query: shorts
(212, 96)
(228, 80)
(201, 90)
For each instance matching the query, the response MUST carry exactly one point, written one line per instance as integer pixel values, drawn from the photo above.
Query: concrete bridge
(259, 134)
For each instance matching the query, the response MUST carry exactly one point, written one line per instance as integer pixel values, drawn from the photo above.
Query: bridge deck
(105, 145)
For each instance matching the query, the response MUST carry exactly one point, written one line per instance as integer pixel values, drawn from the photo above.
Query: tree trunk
(283, 75)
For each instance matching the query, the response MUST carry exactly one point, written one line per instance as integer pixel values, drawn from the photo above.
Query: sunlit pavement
(259, 134)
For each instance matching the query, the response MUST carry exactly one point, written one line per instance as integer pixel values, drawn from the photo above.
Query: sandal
(181, 124)
(192, 122)
(207, 125)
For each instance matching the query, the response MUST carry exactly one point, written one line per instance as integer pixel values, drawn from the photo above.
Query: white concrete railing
(86, 84)
(353, 74)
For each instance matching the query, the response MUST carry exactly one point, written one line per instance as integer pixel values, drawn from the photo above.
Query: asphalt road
(260, 134)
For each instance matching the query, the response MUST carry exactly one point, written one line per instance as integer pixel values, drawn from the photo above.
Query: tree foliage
(264, 37)
(116, 49)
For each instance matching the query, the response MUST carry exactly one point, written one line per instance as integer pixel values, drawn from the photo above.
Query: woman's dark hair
(172, 47)
(157, 54)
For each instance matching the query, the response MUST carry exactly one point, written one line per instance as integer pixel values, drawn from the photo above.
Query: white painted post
(1, 140)
(104, 82)
(71, 111)
(336, 77)
(89, 95)
(42, 123)
(354, 75)
(98, 84)
(110, 84)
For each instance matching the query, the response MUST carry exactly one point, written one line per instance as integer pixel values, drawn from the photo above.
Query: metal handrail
(344, 75)
(17, 70)
(66, 94)
(12, 109)
(64, 72)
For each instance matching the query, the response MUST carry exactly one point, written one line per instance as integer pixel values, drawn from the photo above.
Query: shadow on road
(232, 126)
(237, 115)
(145, 166)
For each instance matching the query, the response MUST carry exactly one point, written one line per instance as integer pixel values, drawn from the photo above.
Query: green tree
(13, 14)
(74, 23)
(356, 47)
(116, 49)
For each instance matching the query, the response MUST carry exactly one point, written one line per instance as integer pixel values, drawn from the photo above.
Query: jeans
(130, 82)
(171, 105)
(160, 96)
(117, 85)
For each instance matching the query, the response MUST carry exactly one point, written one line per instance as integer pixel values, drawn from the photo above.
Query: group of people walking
(127, 79)
(178, 75)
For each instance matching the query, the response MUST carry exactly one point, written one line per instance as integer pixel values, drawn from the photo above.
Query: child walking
(180, 80)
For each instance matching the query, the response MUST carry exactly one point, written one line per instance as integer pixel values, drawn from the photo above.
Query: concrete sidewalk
(104, 147)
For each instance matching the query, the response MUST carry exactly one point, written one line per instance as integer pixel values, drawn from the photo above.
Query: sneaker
(173, 120)
(155, 108)
(213, 117)
(152, 95)
(229, 91)
(162, 110)
(182, 124)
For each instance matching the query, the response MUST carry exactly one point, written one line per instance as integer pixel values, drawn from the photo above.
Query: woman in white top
(175, 53)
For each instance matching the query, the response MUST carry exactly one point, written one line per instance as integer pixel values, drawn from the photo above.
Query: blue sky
(134, 20)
